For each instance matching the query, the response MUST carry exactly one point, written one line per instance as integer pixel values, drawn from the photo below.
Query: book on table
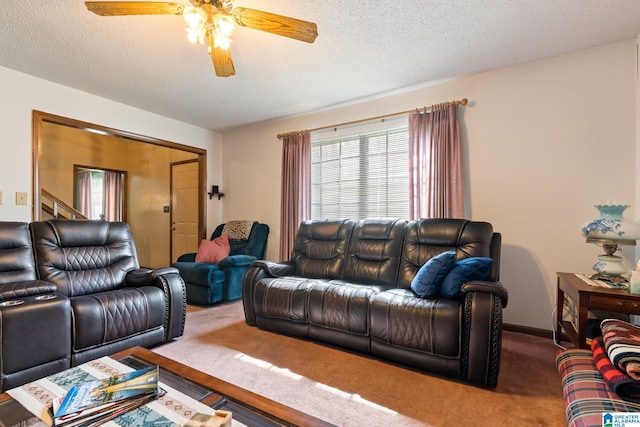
(106, 398)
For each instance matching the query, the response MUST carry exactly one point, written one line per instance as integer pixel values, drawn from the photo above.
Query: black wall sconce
(215, 192)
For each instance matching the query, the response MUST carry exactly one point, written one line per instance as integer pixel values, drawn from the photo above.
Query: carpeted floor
(349, 389)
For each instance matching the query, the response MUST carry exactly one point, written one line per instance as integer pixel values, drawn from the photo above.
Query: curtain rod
(463, 101)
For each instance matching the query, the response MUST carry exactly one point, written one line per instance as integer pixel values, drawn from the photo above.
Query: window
(361, 176)
(99, 193)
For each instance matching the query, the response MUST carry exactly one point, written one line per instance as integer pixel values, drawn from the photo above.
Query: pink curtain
(435, 165)
(113, 189)
(84, 193)
(296, 189)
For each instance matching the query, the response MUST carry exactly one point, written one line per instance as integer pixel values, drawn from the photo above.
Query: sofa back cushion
(426, 238)
(83, 257)
(16, 253)
(374, 252)
(321, 247)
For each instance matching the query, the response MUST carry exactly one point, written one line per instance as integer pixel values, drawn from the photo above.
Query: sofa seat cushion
(282, 298)
(400, 318)
(341, 306)
(106, 317)
(199, 273)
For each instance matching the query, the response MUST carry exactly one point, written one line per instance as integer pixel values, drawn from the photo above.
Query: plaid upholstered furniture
(586, 395)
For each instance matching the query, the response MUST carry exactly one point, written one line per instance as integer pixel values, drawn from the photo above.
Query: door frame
(38, 117)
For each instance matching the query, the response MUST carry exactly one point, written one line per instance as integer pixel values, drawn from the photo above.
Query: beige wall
(544, 142)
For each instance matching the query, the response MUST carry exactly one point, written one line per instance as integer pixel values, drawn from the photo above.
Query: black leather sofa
(348, 284)
(72, 291)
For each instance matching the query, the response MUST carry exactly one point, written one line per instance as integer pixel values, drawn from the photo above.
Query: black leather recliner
(78, 286)
(35, 326)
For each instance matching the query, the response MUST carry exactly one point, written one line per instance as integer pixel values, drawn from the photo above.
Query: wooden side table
(587, 298)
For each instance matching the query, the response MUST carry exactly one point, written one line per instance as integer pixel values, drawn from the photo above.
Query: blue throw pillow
(465, 270)
(429, 278)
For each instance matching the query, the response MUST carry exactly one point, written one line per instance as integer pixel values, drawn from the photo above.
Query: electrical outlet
(21, 198)
(0, 197)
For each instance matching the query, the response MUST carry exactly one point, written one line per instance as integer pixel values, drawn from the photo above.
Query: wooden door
(184, 208)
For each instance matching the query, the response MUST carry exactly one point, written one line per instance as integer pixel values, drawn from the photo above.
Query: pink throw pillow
(213, 251)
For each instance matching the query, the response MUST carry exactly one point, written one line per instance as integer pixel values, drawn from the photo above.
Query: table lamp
(611, 231)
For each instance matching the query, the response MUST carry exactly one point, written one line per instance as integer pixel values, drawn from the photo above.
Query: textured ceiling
(364, 48)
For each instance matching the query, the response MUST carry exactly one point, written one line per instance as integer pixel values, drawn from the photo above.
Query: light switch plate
(0, 197)
(21, 198)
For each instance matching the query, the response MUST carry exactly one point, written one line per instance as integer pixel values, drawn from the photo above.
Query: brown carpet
(349, 389)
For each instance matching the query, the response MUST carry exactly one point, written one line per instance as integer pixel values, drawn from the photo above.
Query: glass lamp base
(610, 265)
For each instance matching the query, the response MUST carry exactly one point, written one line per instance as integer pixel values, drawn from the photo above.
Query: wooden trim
(537, 332)
(38, 117)
(92, 127)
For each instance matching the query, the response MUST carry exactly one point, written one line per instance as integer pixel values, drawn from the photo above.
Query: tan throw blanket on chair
(238, 230)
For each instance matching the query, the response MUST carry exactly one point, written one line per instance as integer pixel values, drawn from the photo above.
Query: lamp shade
(611, 225)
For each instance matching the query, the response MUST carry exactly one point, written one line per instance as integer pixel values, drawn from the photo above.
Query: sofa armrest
(25, 288)
(190, 257)
(276, 269)
(495, 288)
(261, 269)
(482, 332)
(236, 261)
(169, 280)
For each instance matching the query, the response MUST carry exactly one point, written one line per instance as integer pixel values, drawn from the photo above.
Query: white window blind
(361, 176)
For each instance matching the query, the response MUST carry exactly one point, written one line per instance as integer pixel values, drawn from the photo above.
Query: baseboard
(543, 333)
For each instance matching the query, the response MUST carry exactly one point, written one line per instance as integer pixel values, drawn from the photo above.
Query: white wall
(545, 141)
(22, 93)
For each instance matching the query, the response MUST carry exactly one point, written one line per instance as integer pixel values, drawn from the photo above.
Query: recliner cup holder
(11, 303)
(46, 297)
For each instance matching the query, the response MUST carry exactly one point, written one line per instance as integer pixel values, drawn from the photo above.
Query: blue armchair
(210, 283)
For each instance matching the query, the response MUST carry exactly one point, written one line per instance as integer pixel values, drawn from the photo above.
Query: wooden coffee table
(247, 407)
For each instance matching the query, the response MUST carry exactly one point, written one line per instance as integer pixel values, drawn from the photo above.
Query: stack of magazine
(96, 402)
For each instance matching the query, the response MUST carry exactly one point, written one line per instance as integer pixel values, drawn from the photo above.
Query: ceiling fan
(212, 22)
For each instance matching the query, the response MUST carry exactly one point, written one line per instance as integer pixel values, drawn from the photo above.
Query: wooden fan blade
(119, 8)
(222, 62)
(276, 24)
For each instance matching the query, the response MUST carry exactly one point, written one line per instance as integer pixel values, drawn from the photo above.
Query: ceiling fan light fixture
(223, 25)
(212, 22)
(221, 42)
(194, 17)
(196, 36)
